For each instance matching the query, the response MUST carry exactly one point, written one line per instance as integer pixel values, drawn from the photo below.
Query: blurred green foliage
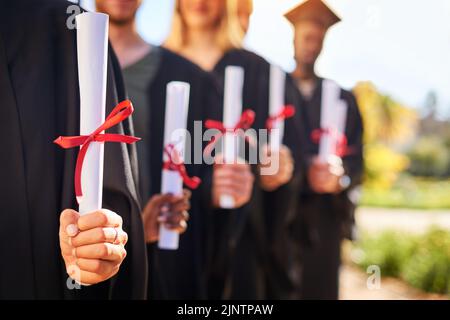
(409, 192)
(386, 125)
(430, 157)
(406, 158)
(423, 261)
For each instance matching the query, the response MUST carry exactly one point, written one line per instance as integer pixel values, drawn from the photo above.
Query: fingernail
(161, 219)
(169, 226)
(72, 230)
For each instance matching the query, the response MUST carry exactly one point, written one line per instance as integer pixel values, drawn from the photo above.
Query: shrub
(423, 261)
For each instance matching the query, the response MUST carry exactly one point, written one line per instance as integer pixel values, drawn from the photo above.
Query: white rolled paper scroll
(177, 105)
(92, 50)
(333, 117)
(232, 111)
(276, 105)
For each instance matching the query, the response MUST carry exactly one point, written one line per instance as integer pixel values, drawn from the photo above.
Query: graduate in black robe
(264, 272)
(260, 247)
(326, 205)
(280, 208)
(40, 101)
(324, 219)
(147, 69)
(239, 247)
(240, 239)
(180, 274)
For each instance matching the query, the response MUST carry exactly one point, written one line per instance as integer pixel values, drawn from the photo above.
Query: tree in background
(388, 128)
(430, 154)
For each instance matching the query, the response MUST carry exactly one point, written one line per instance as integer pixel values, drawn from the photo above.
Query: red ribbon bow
(287, 112)
(341, 139)
(122, 111)
(245, 122)
(174, 163)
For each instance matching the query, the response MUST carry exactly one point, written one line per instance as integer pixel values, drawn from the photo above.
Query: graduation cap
(314, 10)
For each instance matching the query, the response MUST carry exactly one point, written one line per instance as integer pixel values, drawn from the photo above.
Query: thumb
(68, 222)
(153, 205)
(163, 199)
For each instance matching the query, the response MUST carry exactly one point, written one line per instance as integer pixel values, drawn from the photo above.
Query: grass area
(423, 261)
(411, 193)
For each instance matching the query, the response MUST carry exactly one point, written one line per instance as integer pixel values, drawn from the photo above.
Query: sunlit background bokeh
(402, 46)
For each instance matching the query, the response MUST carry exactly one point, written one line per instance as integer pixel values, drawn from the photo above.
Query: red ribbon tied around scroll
(245, 122)
(122, 111)
(174, 163)
(286, 112)
(341, 148)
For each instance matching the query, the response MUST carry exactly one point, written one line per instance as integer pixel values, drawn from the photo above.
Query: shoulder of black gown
(205, 93)
(240, 57)
(39, 74)
(256, 81)
(177, 68)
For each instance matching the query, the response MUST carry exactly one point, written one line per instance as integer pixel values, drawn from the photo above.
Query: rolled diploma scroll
(177, 104)
(232, 111)
(92, 50)
(332, 117)
(276, 104)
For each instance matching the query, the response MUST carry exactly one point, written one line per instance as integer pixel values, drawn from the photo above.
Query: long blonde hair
(230, 34)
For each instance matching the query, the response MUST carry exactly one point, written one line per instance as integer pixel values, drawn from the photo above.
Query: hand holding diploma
(277, 167)
(324, 177)
(168, 210)
(326, 169)
(92, 240)
(92, 245)
(232, 109)
(233, 179)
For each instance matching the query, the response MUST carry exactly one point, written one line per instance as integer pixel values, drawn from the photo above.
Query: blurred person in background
(210, 33)
(326, 209)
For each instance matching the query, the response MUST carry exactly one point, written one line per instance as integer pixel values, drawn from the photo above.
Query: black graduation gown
(40, 101)
(180, 274)
(246, 240)
(280, 208)
(323, 220)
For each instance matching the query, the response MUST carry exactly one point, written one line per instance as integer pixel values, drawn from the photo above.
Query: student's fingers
(100, 235)
(90, 278)
(234, 192)
(286, 151)
(187, 194)
(180, 227)
(159, 200)
(154, 206)
(68, 224)
(175, 217)
(230, 174)
(239, 167)
(229, 183)
(66, 248)
(96, 266)
(180, 206)
(104, 251)
(99, 218)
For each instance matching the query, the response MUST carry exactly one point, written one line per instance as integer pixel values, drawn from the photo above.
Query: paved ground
(353, 280)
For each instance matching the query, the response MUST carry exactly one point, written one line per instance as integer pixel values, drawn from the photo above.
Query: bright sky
(402, 46)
